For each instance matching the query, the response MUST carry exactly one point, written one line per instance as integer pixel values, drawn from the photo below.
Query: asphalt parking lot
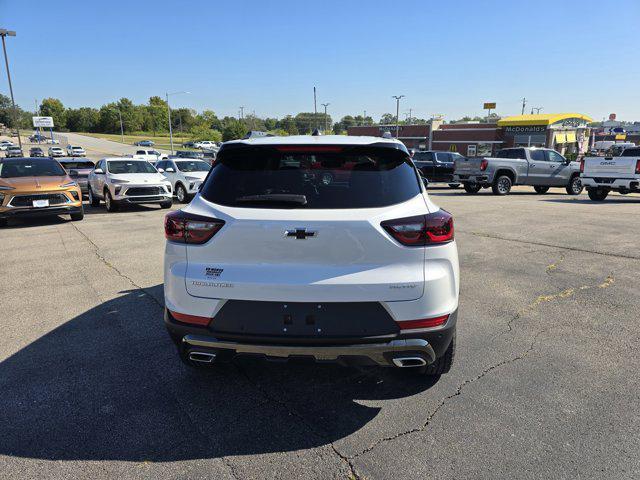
(545, 385)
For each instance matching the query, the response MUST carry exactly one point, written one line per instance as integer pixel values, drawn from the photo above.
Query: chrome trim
(409, 362)
(374, 351)
(39, 194)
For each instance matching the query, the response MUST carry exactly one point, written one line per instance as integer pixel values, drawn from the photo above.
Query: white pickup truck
(149, 155)
(600, 175)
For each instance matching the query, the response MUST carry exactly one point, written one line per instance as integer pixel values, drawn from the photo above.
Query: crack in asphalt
(292, 411)
(96, 251)
(457, 392)
(551, 245)
(566, 293)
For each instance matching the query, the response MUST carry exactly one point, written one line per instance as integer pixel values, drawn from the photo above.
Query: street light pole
(398, 97)
(4, 33)
(121, 126)
(325, 105)
(169, 110)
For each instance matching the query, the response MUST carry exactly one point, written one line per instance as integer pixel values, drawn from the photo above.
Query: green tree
(84, 119)
(271, 124)
(252, 122)
(131, 115)
(387, 119)
(7, 114)
(288, 124)
(307, 122)
(156, 118)
(233, 130)
(52, 107)
(202, 132)
(108, 118)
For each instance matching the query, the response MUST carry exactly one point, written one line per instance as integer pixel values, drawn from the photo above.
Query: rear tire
(93, 200)
(443, 364)
(110, 203)
(502, 185)
(541, 190)
(575, 186)
(597, 194)
(471, 187)
(454, 185)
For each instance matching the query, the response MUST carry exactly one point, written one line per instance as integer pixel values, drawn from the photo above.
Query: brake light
(191, 319)
(432, 229)
(423, 323)
(582, 166)
(637, 166)
(185, 227)
(484, 163)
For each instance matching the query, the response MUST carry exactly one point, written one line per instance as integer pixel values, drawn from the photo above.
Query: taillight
(423, 323)
(191, 319)
(432, 229)
(582, 166)
(185, 227)
(484, 163)
(638, 166)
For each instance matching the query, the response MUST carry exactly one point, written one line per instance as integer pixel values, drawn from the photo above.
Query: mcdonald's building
(567, 133)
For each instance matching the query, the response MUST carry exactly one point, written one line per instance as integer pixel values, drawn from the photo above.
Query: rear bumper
(471, 178)
(380, 350)
(631, 184)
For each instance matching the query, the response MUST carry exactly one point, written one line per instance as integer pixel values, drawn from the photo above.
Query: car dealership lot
(545, 383)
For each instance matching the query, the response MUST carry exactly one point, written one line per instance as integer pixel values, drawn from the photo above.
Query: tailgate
(610, 166)
(468, 166)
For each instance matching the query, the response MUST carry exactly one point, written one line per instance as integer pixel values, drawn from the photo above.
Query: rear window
(122, 166)
(334, 178)
(79, 164)
(631, 152)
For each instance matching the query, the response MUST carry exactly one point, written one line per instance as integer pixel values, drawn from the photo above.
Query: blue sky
(447, 57)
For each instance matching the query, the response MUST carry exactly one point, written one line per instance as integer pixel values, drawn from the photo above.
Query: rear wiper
(274, 198)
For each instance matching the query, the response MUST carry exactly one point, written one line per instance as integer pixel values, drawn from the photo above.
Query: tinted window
(511, 153)
(194, 166)
(631, 152)
(162, 165)
(123, 166)
(78, 164)
(423, 157)
(30, 168)
(356, 177)
(443, 157)
(537, 155)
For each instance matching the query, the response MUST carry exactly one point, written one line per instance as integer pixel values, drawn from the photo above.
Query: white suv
(185, 176)
(270, 259)
(124, 180)
(75, 151)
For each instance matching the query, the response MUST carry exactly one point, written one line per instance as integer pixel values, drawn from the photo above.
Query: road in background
(545, 383)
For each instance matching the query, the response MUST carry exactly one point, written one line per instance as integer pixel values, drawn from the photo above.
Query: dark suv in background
(437, 166)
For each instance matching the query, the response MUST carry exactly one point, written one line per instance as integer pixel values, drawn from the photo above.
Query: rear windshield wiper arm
(274, 198)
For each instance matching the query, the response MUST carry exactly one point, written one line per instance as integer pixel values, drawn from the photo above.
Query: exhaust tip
(202, 357)
(408, 362)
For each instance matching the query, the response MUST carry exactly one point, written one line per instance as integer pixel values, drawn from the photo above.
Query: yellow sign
(453, 148)
(621, 136)
(490, 106)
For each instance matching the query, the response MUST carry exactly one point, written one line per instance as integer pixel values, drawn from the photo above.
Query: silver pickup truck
(541, 168)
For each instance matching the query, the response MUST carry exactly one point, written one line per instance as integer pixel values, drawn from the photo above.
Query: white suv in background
(124, 180)
(206, 145)
(185, 176)
(270, 259)
(75, 151)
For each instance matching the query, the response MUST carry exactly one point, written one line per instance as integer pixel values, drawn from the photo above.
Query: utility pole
(169, 110)
(537, 109)
(364, 119)
(524, 104)
(122, 127)
(398, 97)
(10, 33)
(241, 113)
(326, 127)
(315, 108)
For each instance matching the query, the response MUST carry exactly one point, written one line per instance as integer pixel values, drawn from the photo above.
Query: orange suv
(37, 187)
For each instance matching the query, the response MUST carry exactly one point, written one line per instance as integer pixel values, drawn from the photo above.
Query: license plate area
(304, 319)
(40, 203)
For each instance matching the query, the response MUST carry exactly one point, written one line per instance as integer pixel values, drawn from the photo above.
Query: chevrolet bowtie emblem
(300, 233)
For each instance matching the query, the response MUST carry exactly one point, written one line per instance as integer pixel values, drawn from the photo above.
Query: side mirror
(73, 173)
(170, 170)
(160, 170)
(98, 171)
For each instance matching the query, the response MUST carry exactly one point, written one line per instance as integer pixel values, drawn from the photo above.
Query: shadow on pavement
(586, 200)
(108, 385)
